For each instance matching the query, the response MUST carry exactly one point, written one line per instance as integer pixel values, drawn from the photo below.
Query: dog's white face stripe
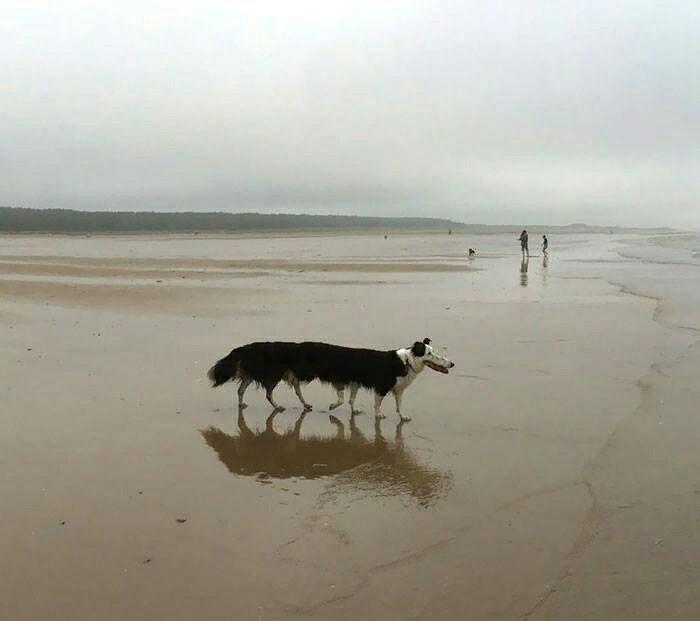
(436, 359)
(430, 357)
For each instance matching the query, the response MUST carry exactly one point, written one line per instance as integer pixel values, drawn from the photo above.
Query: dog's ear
(418, 349)
(427, 341)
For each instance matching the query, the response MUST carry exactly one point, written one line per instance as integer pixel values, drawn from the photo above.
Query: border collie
(267, 364)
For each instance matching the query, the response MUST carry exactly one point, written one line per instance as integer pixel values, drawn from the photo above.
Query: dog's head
(424, 355)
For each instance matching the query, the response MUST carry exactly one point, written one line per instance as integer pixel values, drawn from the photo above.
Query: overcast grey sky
(510, 111)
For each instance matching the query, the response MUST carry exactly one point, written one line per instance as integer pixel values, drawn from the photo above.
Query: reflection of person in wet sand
(523, 272)
(379, 465)
(523, 243)
(545, 260)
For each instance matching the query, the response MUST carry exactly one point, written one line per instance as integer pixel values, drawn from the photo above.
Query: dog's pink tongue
(435, 367)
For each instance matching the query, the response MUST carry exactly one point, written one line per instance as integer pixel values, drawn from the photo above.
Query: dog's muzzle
(439, 368)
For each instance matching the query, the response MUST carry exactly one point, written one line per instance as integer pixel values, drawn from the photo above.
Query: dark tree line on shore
(15, 219)
(25, 220)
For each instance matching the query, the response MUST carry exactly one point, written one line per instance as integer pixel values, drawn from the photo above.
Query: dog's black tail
(224, 370)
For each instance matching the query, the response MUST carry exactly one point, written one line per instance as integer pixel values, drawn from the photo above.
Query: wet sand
(550, 475)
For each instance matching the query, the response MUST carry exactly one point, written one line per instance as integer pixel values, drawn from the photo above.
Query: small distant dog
(267, 364)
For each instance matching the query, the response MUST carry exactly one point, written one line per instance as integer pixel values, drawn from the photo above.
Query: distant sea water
(669, 268)
(683, 245)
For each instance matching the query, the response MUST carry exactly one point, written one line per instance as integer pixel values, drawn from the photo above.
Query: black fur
(268, 363)
(418, 349)
(224, 370)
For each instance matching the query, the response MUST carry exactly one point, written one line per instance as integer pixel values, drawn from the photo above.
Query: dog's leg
(297, 389)
(269, 428)
(379, 441)
(270, 432)
(353, 393)
(268, 394)
(241, 391)
(243, 426)
(339, 426)
(377, 405)
(340, 400)
(356, 435)
(293, 438)
(397, 397)
(399, 434)
(297, 426)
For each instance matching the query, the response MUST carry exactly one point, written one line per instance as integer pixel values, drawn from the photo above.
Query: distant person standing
(545, 245)
(523, 243)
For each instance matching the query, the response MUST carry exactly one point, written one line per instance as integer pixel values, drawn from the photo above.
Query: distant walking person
(545, 245)
(523, 243)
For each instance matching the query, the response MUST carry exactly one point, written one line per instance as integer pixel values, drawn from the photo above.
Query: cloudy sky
(512, 111)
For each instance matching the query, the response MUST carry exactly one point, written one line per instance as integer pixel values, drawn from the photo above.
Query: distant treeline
(24, 220)
(16, 219)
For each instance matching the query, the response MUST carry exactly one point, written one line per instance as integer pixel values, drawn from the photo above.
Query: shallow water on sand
(133, 490)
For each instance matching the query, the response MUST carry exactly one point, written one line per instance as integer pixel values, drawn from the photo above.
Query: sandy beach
(553, 474)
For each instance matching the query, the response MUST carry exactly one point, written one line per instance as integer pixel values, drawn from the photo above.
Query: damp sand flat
(530, 478)
(83, 265)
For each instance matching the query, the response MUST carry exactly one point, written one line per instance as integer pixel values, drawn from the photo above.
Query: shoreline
(334, 232)
(617, 522)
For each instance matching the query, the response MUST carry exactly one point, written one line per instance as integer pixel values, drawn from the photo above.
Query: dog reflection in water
(377, 466)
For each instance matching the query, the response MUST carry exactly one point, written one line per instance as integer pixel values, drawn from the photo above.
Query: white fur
(415, 365)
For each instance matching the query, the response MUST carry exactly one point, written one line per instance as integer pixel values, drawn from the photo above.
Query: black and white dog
(267, 364)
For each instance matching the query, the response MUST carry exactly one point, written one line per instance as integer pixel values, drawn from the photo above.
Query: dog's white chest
(405, 381)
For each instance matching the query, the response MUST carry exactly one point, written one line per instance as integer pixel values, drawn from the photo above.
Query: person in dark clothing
(545, 244)
(523, 243)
